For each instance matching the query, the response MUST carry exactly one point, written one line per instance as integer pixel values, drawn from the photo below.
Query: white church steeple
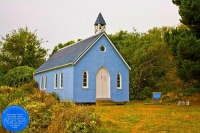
(99, 25)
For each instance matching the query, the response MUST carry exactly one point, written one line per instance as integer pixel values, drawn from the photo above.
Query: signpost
(157, 97)
(15, 118)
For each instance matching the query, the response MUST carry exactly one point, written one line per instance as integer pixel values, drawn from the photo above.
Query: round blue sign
(15, 118)
(156, 95)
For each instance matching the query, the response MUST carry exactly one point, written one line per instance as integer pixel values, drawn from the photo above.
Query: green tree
(19, 76)
(190, 14)
(21, 48)
(148, 56)
(185, 42)
(2, 82)
(151, 61)
(60, 45)
(186, 51)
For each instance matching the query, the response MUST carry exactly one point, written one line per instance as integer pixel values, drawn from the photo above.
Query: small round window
(103, 48)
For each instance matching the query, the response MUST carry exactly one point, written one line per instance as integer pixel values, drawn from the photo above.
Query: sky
(59, 21)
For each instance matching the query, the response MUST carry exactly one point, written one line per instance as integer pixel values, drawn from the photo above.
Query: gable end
(78, 58)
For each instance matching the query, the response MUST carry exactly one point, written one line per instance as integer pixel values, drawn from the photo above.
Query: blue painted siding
(66, 93)
(92, 61)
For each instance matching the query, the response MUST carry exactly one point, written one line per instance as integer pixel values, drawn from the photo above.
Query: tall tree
(20, 48)
(185, 48)
(190, 14)
(148, 56)
(185, 42)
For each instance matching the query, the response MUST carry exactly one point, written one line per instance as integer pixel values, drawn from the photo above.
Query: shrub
(139, 94)
(68, 104)
(19, 75)
(147, 91)
(55, 95)
(76, 119)
(175, 99)
(14, 94)
(82, 120)
(30, 87)
(47, 114)
(190, 91)
(164, 97)
(5, 89)
(2, 78)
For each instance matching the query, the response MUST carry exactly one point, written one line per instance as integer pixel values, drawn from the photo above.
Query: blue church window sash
(119, 81)
(41, 83)
(56, 81)
(45, 82)
(85, 79)
(61, 80)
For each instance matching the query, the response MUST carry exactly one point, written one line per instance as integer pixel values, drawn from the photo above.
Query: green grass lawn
(135, 117)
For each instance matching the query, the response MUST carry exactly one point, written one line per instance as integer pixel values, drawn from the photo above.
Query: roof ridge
(78, 42)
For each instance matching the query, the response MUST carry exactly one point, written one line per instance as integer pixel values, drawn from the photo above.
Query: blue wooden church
(86, 71)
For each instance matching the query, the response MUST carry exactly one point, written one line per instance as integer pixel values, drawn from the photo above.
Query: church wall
(66, 92)
(92, 61)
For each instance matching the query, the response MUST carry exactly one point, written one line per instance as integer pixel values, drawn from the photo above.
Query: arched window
(55, 81)
(61, 80)
(119, 81)
(45, 82)
(85, 79)
(41, 83)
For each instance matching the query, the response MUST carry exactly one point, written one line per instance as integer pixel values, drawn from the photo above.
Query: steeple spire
(100, 24)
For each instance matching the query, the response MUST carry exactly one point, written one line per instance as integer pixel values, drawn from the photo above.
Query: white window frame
(85, 87)
(55, 81)
(120, 81)
(61, 80)
(45, 82)
(41, 82)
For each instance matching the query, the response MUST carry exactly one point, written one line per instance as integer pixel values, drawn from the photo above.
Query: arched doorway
(102, 84)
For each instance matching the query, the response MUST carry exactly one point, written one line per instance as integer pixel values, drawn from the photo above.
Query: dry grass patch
(139, 118)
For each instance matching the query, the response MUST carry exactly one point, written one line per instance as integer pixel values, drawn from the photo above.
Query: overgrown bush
(164, 97)
(30, 87)
(55, 95)
(147, 91)
(10, 95)
(140, 96)
(19, 76)
(190, 91)
(5, 90)
(2, 82)
(141, 93)
(47, 114)
(175, 99)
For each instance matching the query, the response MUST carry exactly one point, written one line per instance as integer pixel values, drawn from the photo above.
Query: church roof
(71, 54)
(68, 55)
(100, 20)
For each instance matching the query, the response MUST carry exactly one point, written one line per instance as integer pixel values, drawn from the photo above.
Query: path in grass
(137, 117)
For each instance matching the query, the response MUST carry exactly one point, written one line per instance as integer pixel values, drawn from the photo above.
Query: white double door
(102, 84)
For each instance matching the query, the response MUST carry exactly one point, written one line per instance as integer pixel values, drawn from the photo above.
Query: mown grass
(135, 117)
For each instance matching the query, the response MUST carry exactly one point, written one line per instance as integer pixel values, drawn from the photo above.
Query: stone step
(104, 101)
(105, 104)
